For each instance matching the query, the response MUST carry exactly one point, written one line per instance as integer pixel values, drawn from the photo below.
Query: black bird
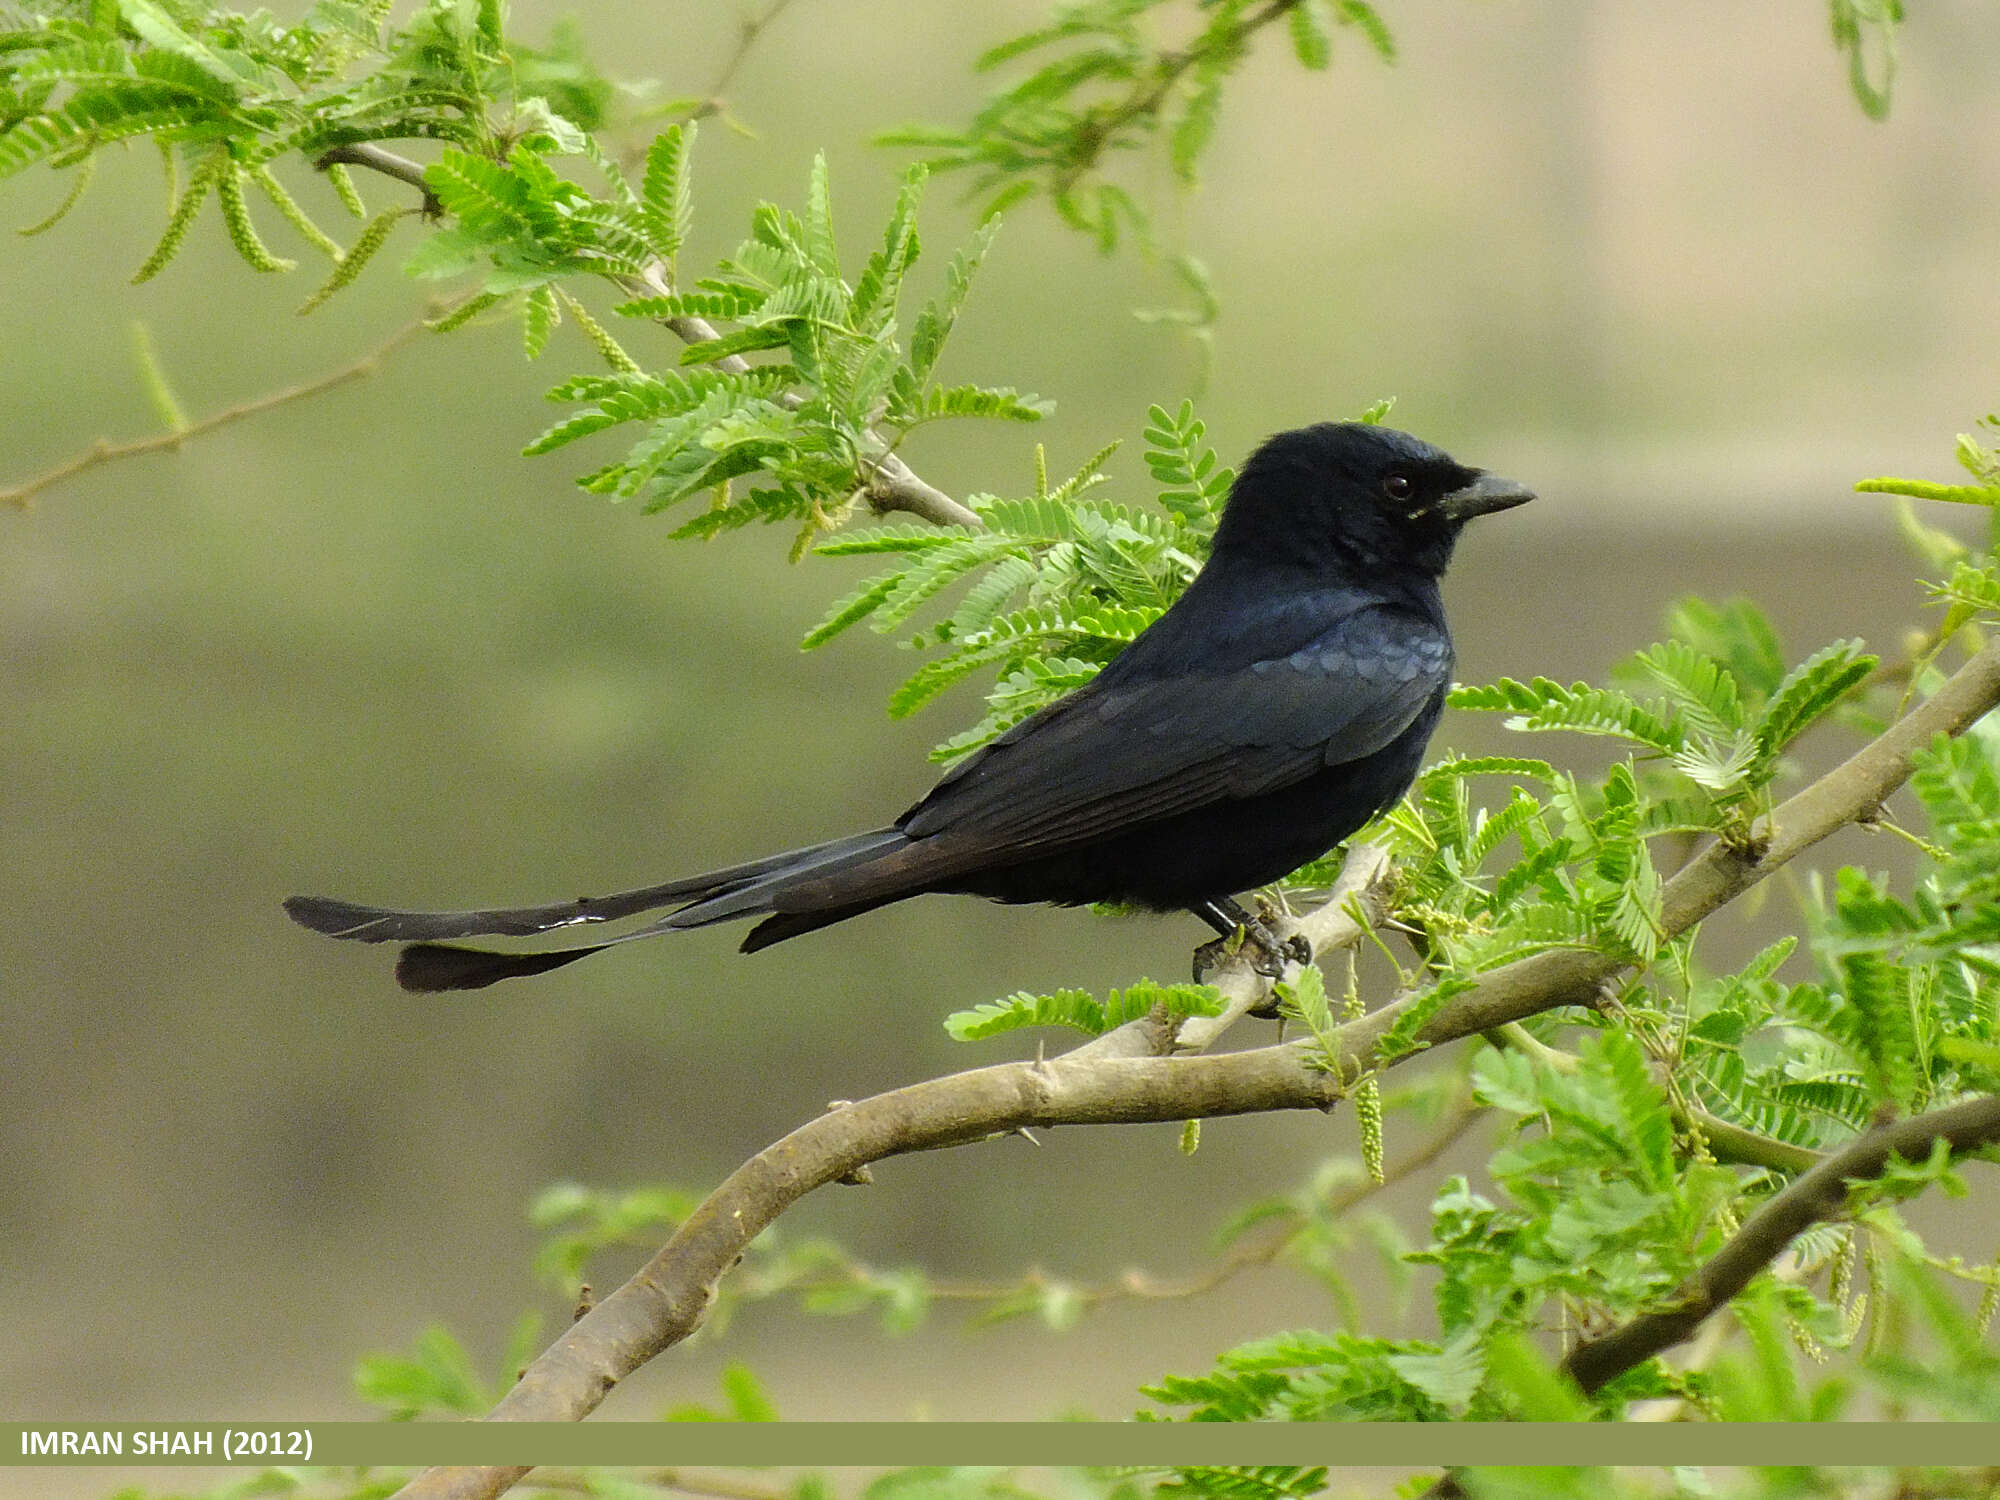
(1283, 701)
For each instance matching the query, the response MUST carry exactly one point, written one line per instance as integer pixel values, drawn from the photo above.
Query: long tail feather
(385, 924)
(754, 889)
(432, 968)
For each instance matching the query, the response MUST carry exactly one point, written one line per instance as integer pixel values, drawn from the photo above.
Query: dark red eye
(1398, 487)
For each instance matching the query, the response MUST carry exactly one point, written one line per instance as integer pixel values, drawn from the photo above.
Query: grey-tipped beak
(1486, 494)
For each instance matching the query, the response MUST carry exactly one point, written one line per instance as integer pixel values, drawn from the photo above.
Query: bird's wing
(1151, 747)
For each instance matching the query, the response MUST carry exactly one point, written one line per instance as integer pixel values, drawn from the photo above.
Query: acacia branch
(746, 38)
(1817, 1195)
(1136, 1284)
(665, 1301)
(891, 485)
(1725, 1141)
(1101, 126)
(104, 452)
(378, 158)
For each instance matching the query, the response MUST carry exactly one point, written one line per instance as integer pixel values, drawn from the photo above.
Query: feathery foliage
(1640, 1131)
(1058, 583)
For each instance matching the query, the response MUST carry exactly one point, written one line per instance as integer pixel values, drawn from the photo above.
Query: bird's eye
(1398, 487)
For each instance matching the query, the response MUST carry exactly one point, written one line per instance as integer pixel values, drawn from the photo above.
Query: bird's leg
(1229, 919)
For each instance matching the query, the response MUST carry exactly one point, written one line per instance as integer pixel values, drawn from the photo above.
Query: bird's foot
(1268, 953)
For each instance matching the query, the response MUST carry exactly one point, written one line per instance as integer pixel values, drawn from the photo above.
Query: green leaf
(1975, 588)
(1452, 1376)
(1365, 19)
(1529, 1383)
(1001, 402)
(881, 280)
(437, 1377)
(1493, 765)
(1306, 999)
(1810, 690)
(539, 316)
(747, 1399)
(667, 191)
(892, 538)
(849, 609)
(1077, 1009)
(1703, 689)
(1312, 34)
(1544, 704)
(1736, 634)
(934, 323)
(1923, 489)
(1081, 1011)
(819, 243)
(1884, 1026)
(1196, 126)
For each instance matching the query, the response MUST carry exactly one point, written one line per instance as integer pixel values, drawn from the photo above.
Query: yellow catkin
(236, 218)
(178, 223)
(614, 355)
(294, 215)
(85, 170)
(349, 265)
(1368, 1091)
(346, 191)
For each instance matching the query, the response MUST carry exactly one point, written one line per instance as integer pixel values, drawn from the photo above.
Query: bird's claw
(1267, 953)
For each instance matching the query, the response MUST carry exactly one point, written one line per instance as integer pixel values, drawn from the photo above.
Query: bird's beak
(1486, 494)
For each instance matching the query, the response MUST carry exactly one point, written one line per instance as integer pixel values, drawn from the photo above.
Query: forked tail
(740, 891)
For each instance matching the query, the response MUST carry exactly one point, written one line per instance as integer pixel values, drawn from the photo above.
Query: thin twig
(666, 1300)
(1148, 94)
(103, 452)
(381, 159)
(714, 103)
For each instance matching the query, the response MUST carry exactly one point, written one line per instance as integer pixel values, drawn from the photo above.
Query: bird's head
(1367, 496)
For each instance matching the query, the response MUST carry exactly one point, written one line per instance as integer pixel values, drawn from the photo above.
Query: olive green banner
(1406, 1445)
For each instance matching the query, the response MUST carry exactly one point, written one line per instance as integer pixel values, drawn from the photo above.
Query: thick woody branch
(1817, 1195)
(664, 1301)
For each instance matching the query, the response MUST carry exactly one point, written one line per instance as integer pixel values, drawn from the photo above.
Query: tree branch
(891, 485)
(746, 38)
(1718, 875)
(664, 1302)
(1256, 1249)
(1819, 1194)
(380, 159)
(1726, 1142)
(103, 452)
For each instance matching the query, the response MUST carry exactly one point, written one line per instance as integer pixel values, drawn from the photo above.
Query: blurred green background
(1651, 260)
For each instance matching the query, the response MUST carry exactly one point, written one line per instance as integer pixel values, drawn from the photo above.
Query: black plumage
(1283, 701)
